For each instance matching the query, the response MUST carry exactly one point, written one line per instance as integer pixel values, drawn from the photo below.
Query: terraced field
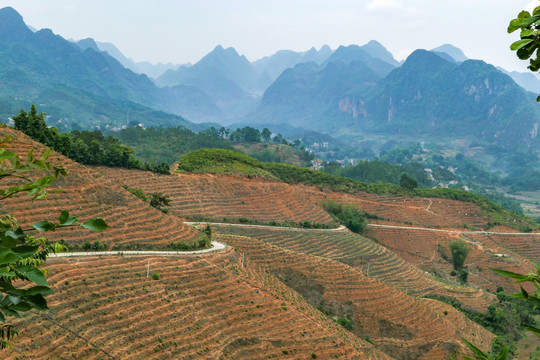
(219, 196)
(202, 307)
(399, 324)
(427, 212)
(367, 256)
(423, 248)
(87, 194)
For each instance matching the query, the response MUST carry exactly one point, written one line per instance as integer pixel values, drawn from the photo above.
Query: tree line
(85, 147)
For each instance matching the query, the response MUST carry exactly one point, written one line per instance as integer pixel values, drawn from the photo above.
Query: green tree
(527, 46)
(459, 250)
(266, 134)
(407, 182)
(158, 200)
(23, 285)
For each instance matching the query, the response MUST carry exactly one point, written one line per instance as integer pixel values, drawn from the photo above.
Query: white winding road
(195, 223)
(216, 246)
(452, 231)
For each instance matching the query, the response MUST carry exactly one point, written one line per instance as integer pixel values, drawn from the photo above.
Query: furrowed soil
(87, 194)
(202, 307)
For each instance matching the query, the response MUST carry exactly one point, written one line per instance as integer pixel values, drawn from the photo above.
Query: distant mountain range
(426, 95)
(76, 84)
(352, 90)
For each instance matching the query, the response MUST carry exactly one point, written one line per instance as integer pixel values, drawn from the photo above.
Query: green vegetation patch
(222, 161)
(503, 318)
(347, 214)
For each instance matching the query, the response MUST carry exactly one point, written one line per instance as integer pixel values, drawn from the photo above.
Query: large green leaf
(527, 32)
(25, 251)
(5, 154)
(7, 256)
(530, 21)
(480, 355)
(514, 25)
(97, 224)
(66, 220)
(37, 302)
(520, 43)
(9, 242)
(510, 274)
(44, 226)
(524, 15)
(32, 273)
(38, 290)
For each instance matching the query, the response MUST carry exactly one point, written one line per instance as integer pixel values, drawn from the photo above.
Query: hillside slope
(218, 196)
(87, 194)
(204, 307)
(400, 325)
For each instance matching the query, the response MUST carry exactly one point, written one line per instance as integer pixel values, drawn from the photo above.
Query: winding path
(216, 246)
(195, 223)
(452, 231)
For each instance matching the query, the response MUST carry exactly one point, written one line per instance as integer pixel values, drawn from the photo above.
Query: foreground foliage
(529, 41)
(516, 316)
(23, 286)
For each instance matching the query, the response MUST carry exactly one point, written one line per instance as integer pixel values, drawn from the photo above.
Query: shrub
(137, 192)
(346, 214)
(155, 276)
(346, 323)
(98, 245)
(442, 251)
(464, 275)
(459, 250)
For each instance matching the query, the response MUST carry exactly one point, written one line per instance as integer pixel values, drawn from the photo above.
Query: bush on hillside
(346, 214)
(459, 250)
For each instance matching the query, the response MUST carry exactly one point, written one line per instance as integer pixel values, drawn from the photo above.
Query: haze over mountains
(354, 89)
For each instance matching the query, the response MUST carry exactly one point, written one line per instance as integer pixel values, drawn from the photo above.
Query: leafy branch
(22, 254)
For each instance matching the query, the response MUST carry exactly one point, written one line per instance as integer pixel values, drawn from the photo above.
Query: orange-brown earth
(221, 196)
(371, 258)
(401, 325)
(232, 197)
(400, 261)
(425, 249)
(202, 307)
(88, 194)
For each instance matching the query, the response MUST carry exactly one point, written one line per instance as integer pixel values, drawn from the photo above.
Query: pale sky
(181, 31)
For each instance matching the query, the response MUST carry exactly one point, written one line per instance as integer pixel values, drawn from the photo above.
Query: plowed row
(216, 197)
(203, 307)
(398, 324)
(421, 247)
(442, 213)
(87, 194)
(369, 257)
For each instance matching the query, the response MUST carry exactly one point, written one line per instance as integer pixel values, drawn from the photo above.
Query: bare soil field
(399, 324)
(201, 307)
(87, 194)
